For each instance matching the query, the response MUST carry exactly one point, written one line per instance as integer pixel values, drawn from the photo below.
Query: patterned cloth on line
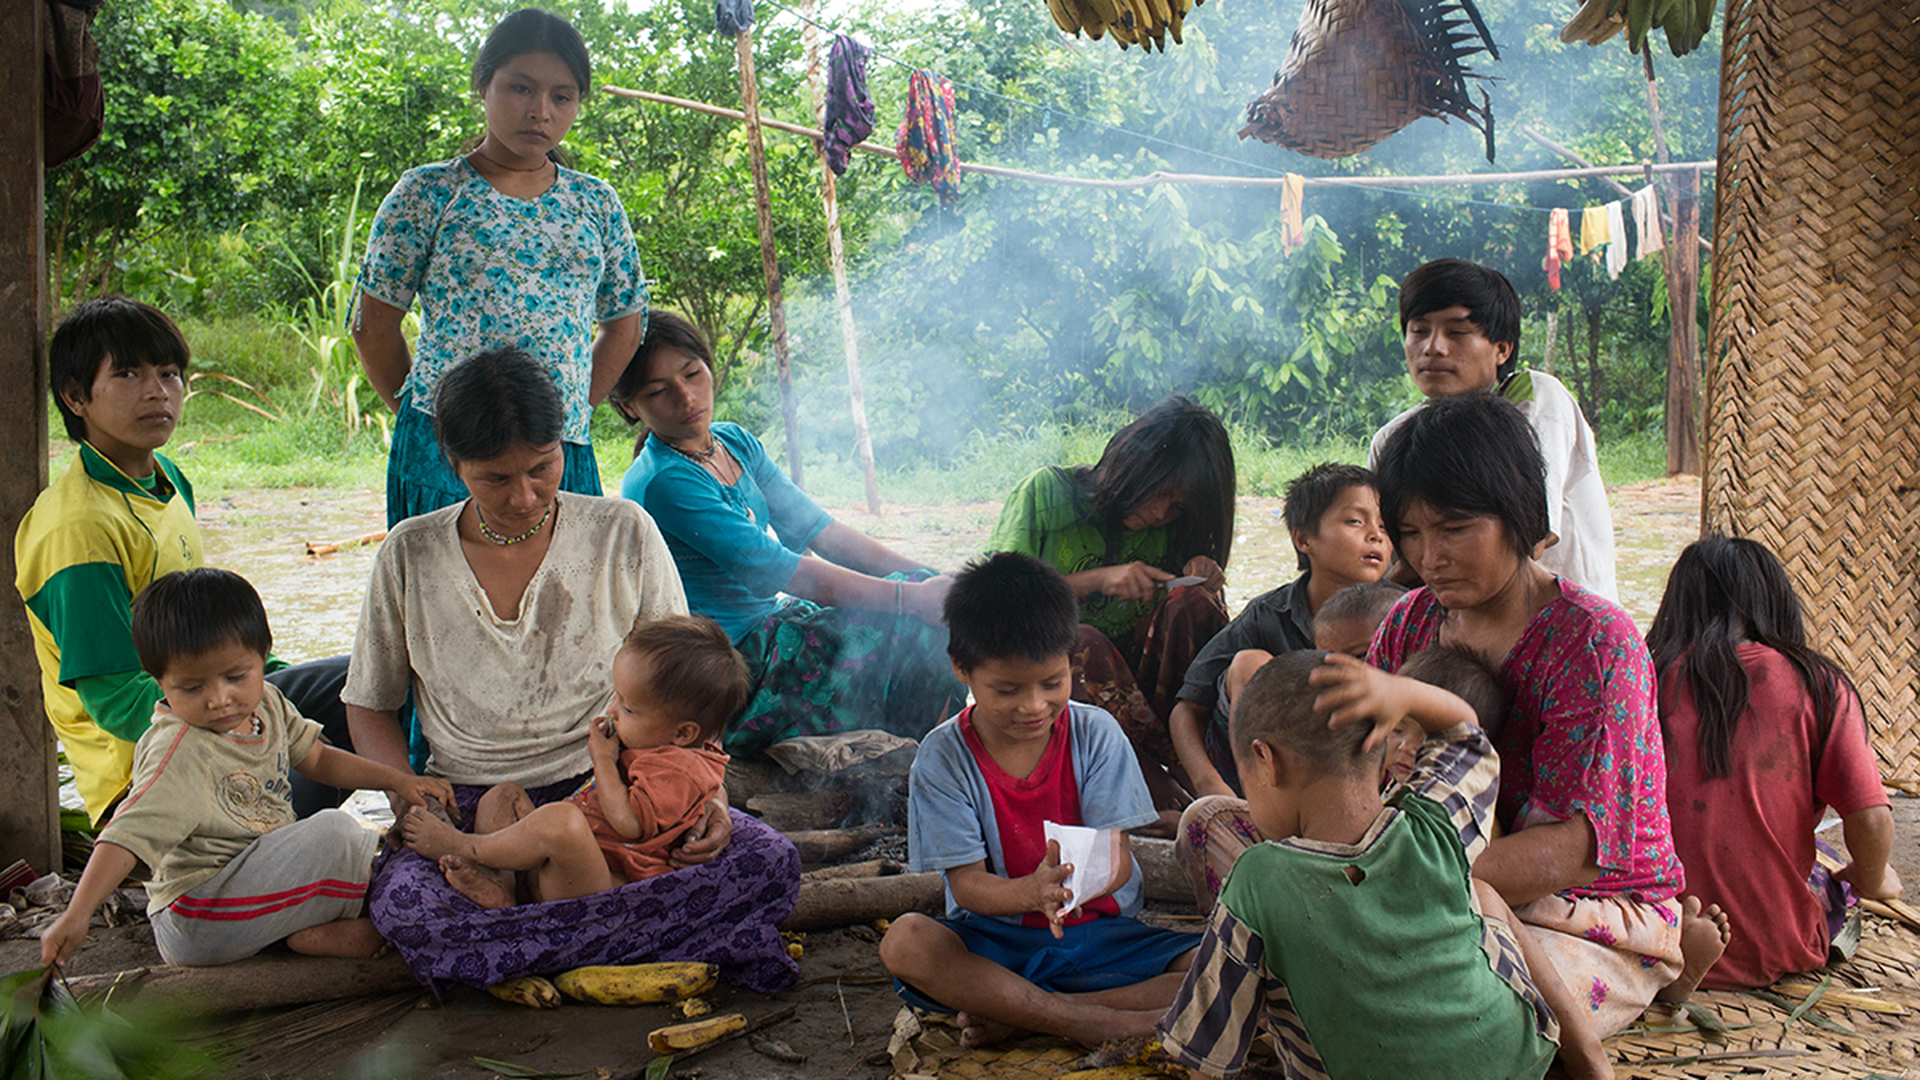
(849, 111)
(724, 912)
(925, 139)
(821, 670)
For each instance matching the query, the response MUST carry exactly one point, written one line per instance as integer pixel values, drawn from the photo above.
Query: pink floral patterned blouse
(1581, 736)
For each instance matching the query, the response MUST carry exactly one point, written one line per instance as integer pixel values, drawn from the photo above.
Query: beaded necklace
(505, 541)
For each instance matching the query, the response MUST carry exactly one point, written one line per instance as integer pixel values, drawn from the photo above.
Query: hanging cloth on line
(1646, 217)
(924, 142)
(733, 17)
(1559, 246)
(1617, 247)
(1292, 231)
(1593, 228)
(849, 111)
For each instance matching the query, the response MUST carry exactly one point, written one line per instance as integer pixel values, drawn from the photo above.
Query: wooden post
(29, 791)
(1683, 346)
(837, 254)
(769, 258)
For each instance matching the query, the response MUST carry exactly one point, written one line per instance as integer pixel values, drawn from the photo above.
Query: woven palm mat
(1864, 1021)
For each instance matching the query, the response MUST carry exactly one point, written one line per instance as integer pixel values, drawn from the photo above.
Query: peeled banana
(638, 984)
(530, 990)
(678, 1037)
(1146, 23)
(1685, 21)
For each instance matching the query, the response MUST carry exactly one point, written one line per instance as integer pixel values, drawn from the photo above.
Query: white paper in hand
(1095, 856)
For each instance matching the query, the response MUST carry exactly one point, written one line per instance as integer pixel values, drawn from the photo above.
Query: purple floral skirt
(724, 912)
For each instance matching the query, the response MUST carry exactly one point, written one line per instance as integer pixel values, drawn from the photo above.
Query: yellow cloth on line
(1593, 228)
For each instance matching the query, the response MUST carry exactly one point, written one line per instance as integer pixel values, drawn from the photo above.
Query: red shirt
(1746, 839)
(1022, 806)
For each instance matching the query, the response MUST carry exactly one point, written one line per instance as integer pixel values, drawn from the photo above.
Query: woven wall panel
(1813, 393)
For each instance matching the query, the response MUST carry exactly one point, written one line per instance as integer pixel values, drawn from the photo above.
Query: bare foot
(1703, 937)
(977, 1031)
(344, 937)
(490, 888)
(432, 835)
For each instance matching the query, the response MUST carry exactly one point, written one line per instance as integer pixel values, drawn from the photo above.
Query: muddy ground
(844, 1007)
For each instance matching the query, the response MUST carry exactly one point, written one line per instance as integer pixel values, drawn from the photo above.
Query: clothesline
(1157, 178)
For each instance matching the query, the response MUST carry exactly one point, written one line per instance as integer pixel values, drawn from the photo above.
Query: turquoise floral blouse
(491, 270)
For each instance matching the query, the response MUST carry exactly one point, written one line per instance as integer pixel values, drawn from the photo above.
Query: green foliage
(46, 1035)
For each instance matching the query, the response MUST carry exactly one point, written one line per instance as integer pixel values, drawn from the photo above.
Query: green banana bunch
(1685, 21)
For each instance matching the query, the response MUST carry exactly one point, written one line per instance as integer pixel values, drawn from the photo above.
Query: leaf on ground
(520, 1072)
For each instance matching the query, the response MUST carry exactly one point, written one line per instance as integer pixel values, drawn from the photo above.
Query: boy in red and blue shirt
(1016, 951)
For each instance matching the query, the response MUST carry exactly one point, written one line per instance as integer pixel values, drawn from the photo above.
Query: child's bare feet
(344, 937)
(977, 1031)
(1703, 937)
(432, 835)
(483, 885)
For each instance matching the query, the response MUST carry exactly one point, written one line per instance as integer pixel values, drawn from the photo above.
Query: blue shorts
(1099, 954)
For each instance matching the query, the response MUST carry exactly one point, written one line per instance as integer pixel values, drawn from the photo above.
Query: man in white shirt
(1461, 327)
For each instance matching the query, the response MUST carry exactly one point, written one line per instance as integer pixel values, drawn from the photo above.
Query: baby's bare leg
(1245, 663)
(343, 937)
(993, 1002)
(553, 845)
(1580, 1049)
(501, 806)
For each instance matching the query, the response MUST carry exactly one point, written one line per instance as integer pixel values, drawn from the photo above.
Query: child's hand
(1885, 886)
(603, 740)
(416, 790)
(1048, 882)
(59, 941)
(1351, 690)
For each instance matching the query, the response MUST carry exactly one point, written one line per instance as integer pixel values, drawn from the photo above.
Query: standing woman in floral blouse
(503, 247)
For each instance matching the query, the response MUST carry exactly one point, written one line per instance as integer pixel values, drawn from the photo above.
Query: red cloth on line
(1559, 246)
(1746, 839)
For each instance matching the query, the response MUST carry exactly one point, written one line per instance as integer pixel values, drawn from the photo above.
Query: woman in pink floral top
(1587, 858)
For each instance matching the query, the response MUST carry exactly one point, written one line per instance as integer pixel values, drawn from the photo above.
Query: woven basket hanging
(1812, 433)
(1359, 70)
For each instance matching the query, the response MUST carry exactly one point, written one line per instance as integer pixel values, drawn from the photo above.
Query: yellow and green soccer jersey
(92, 542)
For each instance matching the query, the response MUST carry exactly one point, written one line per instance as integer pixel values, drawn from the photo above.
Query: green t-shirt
(1383, 955)
(1047, 517)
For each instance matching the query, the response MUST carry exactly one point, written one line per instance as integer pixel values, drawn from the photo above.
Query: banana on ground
(638, 984)
(677, 1037)
(530, 990)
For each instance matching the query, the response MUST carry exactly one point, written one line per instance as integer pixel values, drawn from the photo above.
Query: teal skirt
(820, 670)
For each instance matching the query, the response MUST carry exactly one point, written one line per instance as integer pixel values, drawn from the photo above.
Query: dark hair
(1311, 494)
(189, 612)
(111, 328)
(490, 401)
(532, 30)
(665, 330)
(1470, 454)
(1176, 445)
(1465, 674)
(1723, 591)
(1368, 600)
(1009, 605)
(695, 673)
(1276, 707)
(1485, 292)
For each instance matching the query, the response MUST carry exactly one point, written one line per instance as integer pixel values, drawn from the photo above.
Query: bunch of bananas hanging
(1146, 23)
(1685, 21)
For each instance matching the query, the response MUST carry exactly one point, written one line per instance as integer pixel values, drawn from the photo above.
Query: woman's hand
(1134, 581)
(1203, 566)
(707, 839)
(926, 600)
